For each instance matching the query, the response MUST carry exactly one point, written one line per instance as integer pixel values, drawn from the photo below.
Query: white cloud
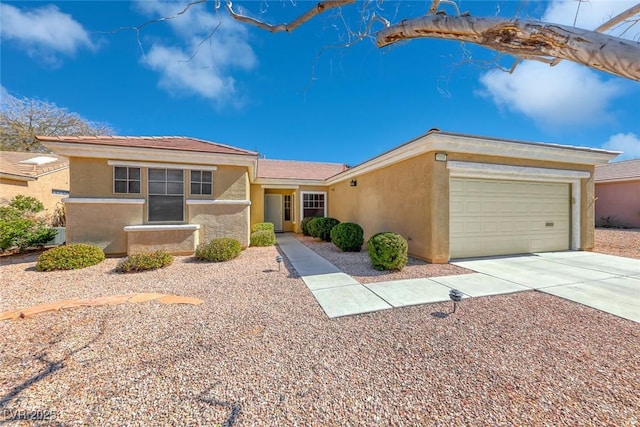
(568, 94)
(628, 143)
(590, 14)
(565, 95)
(44, 32)
(197, 61)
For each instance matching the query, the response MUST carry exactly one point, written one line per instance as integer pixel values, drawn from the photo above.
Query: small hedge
(70, 257)
(348, 236)
(321, 228)
(263, 238)
(263, 226)
(304, 225)
(218, 250)
(144, 262)
(388, 251)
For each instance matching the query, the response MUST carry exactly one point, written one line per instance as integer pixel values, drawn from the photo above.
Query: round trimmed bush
(321, 228)
(263, 238)
(218, 250)
(388, 251)
(70, 257)
(144, 262)
(348, 236)
(304, 224)
(263, 226)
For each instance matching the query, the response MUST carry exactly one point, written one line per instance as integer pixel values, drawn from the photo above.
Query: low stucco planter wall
(175, 239)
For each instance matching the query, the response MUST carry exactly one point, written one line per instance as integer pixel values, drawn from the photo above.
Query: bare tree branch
(319, 8)
(635, 10)
(528, 39)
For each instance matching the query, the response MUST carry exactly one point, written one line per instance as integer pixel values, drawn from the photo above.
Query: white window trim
(103, 200)
(218, 202)
(459, 169)
(153, 165)
(184, 197)
(167, 227)
(113, 181)
(302, 193)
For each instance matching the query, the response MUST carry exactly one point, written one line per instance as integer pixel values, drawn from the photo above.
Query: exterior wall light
(353, 183)
(441, 157)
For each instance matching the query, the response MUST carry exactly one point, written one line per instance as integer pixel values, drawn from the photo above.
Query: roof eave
(78, 149)
(459, 143)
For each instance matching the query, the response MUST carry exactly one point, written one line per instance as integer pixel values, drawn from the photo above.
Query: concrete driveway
(606, 282)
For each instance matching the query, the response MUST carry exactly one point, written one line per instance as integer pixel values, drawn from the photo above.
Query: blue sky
(298, 96)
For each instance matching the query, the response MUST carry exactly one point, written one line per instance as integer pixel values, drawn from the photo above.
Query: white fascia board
(103, 200)
(217, 202)
(497, 171)
(166, 227)
(149, 154)
(481, 146)
(160, 165)
(16, 177)
(289, 182)
(280, 187)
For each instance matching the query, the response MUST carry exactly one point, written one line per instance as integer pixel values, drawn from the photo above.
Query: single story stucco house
(450, 195)
(43, 176)
(618, 194)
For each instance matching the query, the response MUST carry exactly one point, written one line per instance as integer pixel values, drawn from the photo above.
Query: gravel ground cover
(618, 242)
(358, 264)
(260, 351)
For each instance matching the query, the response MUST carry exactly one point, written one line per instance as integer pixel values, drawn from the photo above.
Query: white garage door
(496, 217)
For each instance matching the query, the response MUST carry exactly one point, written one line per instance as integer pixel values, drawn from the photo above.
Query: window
(166, 195)
(57, 192)
(287, 207)
(313, 204)
(126, 180)
(201, 182)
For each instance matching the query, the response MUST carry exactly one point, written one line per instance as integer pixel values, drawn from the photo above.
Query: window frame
(166, 194)
(302, 207)
(200, 182)
(287, 208)
(127, 180)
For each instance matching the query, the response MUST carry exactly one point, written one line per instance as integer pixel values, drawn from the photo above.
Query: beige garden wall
(618, 203)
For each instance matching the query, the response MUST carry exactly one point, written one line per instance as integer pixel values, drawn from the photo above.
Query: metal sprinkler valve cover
(455, 295)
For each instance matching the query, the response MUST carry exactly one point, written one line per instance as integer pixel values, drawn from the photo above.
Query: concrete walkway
(604, 282)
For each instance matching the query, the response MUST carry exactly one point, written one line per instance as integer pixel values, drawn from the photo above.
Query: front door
(273, 210)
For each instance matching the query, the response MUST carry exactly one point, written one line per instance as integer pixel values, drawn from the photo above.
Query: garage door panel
(499, 217)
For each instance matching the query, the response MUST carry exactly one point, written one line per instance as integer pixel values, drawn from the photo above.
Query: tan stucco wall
(257, 204)
(221, 221)
(40, 189)
(395, 198)
(412, 198)
(620, 201)
(176, 242)
(102, 224)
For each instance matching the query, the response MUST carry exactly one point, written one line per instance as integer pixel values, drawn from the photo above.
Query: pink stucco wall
(620, 201)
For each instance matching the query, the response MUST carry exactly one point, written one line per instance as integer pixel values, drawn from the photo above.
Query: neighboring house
(450, 195)
(43, 176)
(618, 194)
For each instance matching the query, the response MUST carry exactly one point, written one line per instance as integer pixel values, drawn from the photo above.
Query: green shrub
(304, 224)
(70, 257)
(218, 250)
(321, 228)
(263, 226)
(388, 251)
(263, 238)
(20, 225)
(144, 261)
(348, 236)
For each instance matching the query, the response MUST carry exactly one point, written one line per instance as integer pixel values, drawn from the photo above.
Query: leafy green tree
(20, 225)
